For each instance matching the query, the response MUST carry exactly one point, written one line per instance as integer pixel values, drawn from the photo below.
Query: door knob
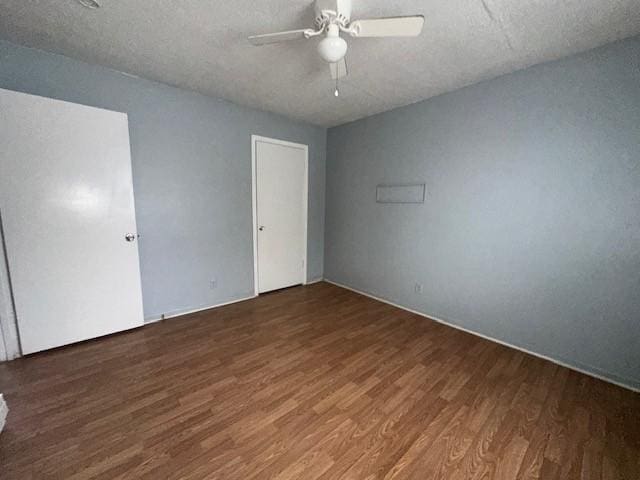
(261, 227)
(130, 237)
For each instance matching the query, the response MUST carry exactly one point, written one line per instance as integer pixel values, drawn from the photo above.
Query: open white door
(66, 200)
(280, 213)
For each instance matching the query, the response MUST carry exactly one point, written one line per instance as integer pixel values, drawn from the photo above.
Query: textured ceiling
(201, 45)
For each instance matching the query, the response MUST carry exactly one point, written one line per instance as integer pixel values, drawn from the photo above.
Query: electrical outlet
(213, 283)
(418, 288)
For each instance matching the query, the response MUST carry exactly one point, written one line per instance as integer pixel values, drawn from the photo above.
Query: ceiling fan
(333, 17)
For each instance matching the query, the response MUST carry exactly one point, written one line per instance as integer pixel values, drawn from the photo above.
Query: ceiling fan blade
(279, 37)
(388, 27)
(339, 69)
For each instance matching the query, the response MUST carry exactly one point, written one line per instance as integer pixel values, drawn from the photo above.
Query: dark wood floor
(310, 383)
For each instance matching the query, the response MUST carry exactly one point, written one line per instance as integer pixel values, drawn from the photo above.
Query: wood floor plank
(313, 382)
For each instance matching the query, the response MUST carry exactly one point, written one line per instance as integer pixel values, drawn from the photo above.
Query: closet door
(67, 212)
(281, 213)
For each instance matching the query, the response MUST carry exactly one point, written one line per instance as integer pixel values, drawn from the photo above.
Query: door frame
(254, 202)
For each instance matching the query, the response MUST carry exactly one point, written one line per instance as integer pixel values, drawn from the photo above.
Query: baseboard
(180, 313)
(627, 384)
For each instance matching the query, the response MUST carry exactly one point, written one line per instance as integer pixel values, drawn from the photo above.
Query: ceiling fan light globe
(332, 49)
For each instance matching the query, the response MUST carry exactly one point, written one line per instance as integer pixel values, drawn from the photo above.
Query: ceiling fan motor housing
(332, 11)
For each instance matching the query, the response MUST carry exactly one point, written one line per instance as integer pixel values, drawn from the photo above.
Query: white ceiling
(201, 45)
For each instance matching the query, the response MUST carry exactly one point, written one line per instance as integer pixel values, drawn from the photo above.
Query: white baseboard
(599, 376)
(179, 313)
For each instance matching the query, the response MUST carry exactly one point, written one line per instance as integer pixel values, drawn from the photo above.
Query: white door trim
(9, 341)
(254, 201)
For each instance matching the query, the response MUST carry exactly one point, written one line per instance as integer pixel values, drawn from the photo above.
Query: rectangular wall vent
(401, 193)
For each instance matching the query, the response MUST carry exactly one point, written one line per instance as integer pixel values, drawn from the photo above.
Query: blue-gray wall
(531, 228)
(191, 157)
